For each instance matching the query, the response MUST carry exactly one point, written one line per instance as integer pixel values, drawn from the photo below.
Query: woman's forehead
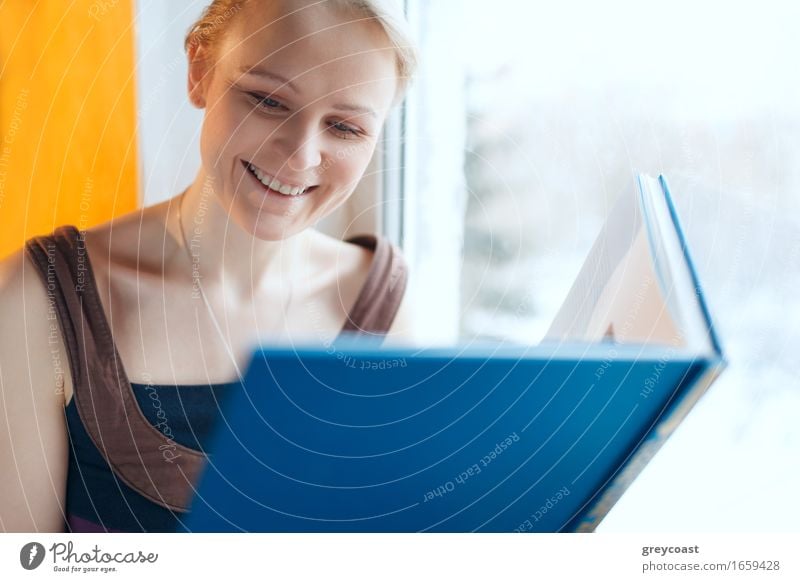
(281, 27)
(318, 45)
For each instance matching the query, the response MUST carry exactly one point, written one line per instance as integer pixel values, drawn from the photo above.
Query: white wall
(169, 126)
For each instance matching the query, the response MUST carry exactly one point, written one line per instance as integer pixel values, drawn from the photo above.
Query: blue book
(493, 437)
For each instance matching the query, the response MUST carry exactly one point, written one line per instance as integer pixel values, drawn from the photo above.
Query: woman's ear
(199, 73)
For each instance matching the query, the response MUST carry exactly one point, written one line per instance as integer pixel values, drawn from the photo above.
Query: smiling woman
(282, 92)
(295, 94)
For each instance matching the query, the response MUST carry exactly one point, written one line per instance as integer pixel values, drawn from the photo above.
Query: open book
(638, 284)
(359, 437)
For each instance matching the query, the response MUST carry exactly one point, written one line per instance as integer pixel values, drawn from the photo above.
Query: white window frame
(424, 191)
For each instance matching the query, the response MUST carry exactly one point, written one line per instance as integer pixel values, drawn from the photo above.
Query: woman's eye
(345, 129)
(267, 102)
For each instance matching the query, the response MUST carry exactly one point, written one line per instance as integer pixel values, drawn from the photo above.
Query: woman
(113, 359)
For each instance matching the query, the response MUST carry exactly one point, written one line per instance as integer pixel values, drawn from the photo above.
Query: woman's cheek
(216, 128)
(354, 158)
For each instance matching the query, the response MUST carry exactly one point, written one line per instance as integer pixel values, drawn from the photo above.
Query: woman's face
(296, 98)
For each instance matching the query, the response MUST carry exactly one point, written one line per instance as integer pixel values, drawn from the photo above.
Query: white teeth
(274, 184)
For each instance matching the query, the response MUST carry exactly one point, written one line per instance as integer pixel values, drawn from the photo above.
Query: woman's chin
(268, 227)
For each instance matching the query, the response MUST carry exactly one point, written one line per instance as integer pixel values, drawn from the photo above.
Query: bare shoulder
(26, 311)
(33, 374)
(134, 241)
(31, 344)
(346, 263)
(14, 270)
(352, 264)
(335, 249)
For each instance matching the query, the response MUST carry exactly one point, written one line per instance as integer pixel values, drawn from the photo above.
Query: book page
(671, 262)
(616, 295)
(631, 308)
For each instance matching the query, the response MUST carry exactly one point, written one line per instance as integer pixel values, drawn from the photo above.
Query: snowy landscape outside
(566, 102)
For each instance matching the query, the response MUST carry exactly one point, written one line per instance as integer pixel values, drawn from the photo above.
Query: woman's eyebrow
(356, 109)
(259, 72)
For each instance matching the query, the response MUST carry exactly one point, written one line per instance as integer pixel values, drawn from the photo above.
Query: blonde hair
(216, 18)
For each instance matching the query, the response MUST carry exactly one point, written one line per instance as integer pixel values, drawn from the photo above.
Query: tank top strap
(380, 297)
(140, 455)
(55, 258)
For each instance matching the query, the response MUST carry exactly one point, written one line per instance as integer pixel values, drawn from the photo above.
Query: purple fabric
(79, 525)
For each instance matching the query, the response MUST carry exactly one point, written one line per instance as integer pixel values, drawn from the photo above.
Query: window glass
(526, 123)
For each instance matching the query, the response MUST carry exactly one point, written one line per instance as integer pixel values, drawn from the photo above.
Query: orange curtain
(68, 146)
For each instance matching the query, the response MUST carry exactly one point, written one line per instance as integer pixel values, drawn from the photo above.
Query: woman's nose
(302, 149)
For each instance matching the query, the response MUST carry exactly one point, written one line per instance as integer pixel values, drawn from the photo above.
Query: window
(526, 122)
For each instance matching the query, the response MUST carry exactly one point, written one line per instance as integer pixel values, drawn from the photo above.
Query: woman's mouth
(272, 185)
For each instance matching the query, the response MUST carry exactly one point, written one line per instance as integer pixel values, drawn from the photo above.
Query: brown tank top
(103, 395)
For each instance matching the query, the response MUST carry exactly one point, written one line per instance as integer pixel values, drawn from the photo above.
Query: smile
(275, 185)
